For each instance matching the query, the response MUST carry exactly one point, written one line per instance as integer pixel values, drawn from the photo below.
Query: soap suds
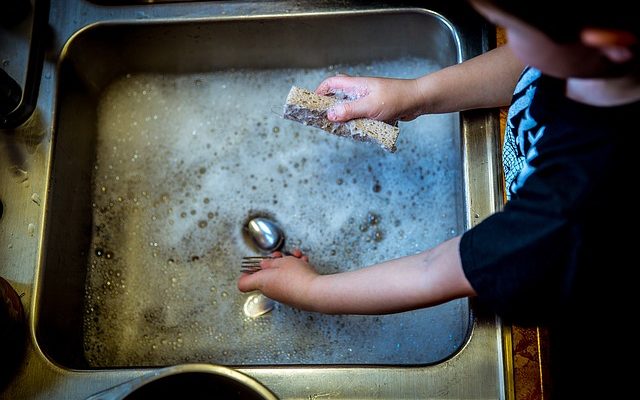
(184, 160)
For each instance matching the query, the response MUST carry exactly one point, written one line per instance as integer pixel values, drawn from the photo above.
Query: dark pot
(12, 331)
(193, 381)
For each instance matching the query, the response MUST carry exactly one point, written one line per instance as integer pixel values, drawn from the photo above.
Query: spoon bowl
(265, 233)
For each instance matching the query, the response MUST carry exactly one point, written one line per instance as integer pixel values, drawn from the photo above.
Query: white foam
(183, 161)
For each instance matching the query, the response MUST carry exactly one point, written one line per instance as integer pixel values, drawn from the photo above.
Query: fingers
(347, 111)
(339, 82)
(249, 282)
(277, 258)
(295, 252)
(299, 254)
(269, 262)
(355, 87)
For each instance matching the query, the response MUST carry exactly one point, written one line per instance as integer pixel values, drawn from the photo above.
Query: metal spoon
(265, 234)
(257, 304)
(268, 237)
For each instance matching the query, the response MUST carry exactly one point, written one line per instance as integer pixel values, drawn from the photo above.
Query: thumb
(249, 282)
(343, 112)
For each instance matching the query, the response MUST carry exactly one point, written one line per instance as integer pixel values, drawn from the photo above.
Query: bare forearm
(485, 81)
(425, 279)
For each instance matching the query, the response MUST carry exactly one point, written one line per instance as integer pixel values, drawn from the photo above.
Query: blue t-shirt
(560, 252)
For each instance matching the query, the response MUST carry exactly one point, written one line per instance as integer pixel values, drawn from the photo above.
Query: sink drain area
(182, 160)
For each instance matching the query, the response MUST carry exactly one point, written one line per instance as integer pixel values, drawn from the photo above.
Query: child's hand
(283, 278)
(383, 99)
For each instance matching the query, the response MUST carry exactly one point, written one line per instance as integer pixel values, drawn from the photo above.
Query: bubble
(35, 198)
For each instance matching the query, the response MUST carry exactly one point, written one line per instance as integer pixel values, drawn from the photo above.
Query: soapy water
(184, 160)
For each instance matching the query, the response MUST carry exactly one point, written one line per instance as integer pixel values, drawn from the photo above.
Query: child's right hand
(383, 99)
(286, 279)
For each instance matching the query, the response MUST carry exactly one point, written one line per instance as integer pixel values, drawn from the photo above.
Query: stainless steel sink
(168, 137)
(162, 154)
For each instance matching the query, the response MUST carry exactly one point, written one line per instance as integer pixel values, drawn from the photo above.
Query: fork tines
(251, 264)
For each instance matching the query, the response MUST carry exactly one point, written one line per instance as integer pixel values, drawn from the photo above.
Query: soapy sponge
(310, 109)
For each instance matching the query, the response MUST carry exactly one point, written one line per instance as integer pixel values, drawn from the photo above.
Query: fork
(251, 264)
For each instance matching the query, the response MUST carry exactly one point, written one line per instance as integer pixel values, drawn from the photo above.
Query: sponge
(309, 108)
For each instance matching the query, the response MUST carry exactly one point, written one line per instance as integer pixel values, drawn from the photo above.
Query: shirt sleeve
(521, 261)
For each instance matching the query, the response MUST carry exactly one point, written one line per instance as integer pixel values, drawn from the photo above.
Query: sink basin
(170, 137)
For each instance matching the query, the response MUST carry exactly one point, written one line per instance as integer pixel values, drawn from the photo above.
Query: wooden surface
(530, 345)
